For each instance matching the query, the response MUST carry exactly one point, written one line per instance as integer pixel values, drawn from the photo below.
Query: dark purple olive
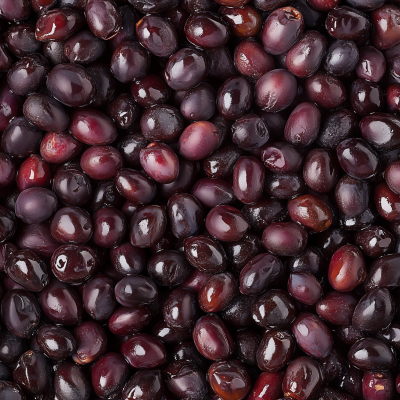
(275, 90)
(148, 225)
(135, 290)
(194, 72)
(46, 113)
(205, 254)
(129, 320)
(84, 47)
(371, 354)
(259, 273)
(212, 338)
(109, 375)
(275, 350)
(337, 307)
(180, 308)
(148, 383)
(103, 18)
(312, 335)
(229, 379)
(143, 351)
(226, 223)
(71, 382)
(59, 24)
(33, 373)
(35, 205)
(61, 304)
(28, 74)
(217, 292)
(91, 342)
(20, 312)
(275, 309)
(303, 378)
(55, 342)
(374, 311)
(282, 29)
(71, 85)
(28, 270)
(357, 158)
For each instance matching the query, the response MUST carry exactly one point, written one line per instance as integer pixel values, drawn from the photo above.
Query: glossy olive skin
(109, 375)
(71, 85)
(53, 117)
(71, 225)
(98, 297)
(352, 195)
(148, 382)
(55, 342)
(135, 290)
(20, 312)
(387, 202)
(195, 69)
(275, 90)
(234, 98)
(325, 90)
(387, 137)
(206, 30)
(259, 273)
(226, 223)
(282, 29)
(297, 382)
(321, 170)
(382, 273)
(217, 292)
(268, 383)
(128, 259)
(188, 207)
(28, 74)
(275, 350)
(371, 354)
(74, 264)
(311, 212)
(346, 23)
(27, 269)
(180, 308)
(352, 152)
(337, 307)
(144, 351)
(312, 335)
(72, 187)
(284, 238)
(71, 382)
(374, 311)
(212, 338)
(11, 390)
(257, 65)
(263, 212)
(375, 241)
(229, 379)
(374, 381)
(205, 254)
(275, 309)
(156, 219)
(251, 20)
(128, 320)
(58, 24)
(61, 304)
(347, 268)
(59, 147)
(157, 35)
(12, 347)
(33, 373)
